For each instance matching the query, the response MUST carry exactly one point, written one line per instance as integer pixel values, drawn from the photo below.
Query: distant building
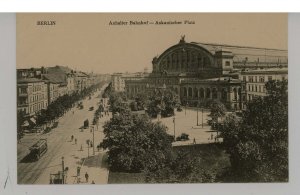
(64, 76)
(32, 95)
(119, 79)
(71, 86)
(256, 79)
(81, 81)
(57, 86)
(117, 82)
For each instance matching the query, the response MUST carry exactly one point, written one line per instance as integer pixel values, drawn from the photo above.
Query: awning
(25, 124)
(33, 120)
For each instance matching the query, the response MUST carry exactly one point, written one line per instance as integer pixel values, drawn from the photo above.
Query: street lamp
(93, 140)
(63, 169)
(202, 116)
(174, 127)
(186, 104)
(88, 146)
(197, 112)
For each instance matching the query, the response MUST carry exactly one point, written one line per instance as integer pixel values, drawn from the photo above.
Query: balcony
(23, 94)
(22, 104)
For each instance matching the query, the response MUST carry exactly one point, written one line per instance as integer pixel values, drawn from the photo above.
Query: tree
(140, 101)
(258, 142)
(181, 168)
(133, 106)
(134, 143)
(20, 121)
(118, 102)
(162, 101)
(217, 109)
(107, 91)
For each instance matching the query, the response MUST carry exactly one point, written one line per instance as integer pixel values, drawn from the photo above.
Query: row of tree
(154, 102)
(63, 104)
(55, 109)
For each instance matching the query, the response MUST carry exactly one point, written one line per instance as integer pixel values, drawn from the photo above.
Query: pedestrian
(75, 140)
(86, 177)
(211, 136)
(72, 137)
(216, 139)
(194, 142)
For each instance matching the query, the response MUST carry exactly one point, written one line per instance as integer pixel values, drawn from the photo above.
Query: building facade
(32, 95)
(255, 80)
(53, 91)
(117, 82)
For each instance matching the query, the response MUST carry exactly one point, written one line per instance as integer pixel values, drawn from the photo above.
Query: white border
(148, 6)
(8, 134)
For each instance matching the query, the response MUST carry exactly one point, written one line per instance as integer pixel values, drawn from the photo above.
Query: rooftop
(55, 78)
(242, 54)
(59, 69)
(221, 79)
(269, 70)
(29, 80)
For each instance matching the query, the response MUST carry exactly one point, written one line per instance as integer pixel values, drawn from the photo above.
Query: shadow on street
(27, 159)
(99, 160)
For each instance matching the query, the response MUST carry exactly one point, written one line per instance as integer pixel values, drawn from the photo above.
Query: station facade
(200, 73)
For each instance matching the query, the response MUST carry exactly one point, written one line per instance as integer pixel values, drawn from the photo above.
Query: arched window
(174, 59)
(184, 92)
(204, 61)
(199, 61)
(214, 93)
(195, 92)
(208, 93)
(201, 93)
(190, 92)
(188, 54)
(224, 94)
(235, 93)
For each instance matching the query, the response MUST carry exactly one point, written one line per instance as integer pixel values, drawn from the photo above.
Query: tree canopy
(162, 101)
(62, 104)
(20, 120)
(217, 109)
(134, 142)
(258, 142)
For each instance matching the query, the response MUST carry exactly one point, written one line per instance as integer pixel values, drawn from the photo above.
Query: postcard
(148, 98)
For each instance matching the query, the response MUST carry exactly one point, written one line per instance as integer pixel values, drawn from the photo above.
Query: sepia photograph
(152, 98)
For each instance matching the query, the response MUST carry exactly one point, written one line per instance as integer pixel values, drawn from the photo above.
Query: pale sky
(88, 43)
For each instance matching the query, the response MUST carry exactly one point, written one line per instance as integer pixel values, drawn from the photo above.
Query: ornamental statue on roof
(182, 39)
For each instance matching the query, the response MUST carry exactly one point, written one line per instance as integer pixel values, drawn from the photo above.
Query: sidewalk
(82, 157)
(93, 166)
